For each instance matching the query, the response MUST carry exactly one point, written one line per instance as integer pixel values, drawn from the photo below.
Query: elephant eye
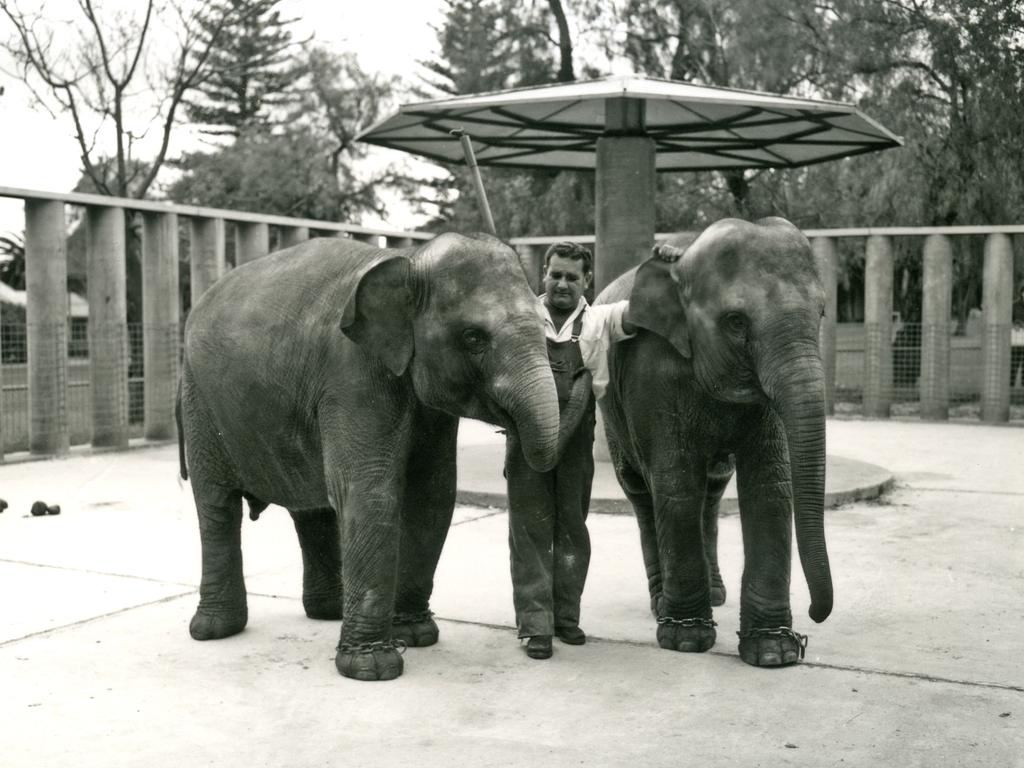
(474, 340)
(735, 323)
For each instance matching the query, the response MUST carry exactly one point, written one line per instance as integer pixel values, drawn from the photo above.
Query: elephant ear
(378, 313)
(654, 304)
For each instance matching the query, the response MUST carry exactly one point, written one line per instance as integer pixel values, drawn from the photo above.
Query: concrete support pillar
(206, 255)
(532, 259)
(365, 237)
(878, 285)
(108, 325)
(293, 236)
(624, 193)
(161, 316)
(997, 308)
(398, 242)
(252, 241)
(46, 293)
(936, 313)
(828, 269)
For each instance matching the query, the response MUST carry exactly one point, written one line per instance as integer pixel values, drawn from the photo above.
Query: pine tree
(251, 69)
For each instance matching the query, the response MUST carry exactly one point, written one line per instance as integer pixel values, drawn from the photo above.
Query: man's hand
(666, 252)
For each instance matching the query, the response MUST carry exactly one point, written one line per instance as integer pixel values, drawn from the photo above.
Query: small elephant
(328, 378)
(726, 367)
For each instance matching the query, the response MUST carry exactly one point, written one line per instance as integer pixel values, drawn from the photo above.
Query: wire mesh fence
(98, 391)
(899, 382)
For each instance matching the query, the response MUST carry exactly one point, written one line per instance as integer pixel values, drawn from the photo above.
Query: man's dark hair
(570, 250)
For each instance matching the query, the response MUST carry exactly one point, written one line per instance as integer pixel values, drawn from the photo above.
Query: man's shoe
(571, 635)
(539, 647)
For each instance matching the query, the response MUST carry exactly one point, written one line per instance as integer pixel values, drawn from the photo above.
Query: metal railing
(103, 380)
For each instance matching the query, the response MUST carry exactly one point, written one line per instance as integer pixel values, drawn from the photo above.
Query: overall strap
(577, 327)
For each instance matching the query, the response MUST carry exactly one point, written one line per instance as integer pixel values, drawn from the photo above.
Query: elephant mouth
(741, 395)
(494, 414)
(728, 390)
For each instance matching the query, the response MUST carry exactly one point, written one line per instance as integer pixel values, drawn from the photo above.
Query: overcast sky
(38, 151)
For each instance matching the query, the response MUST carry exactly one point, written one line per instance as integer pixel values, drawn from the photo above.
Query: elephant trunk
(529, 397)
(794, 380)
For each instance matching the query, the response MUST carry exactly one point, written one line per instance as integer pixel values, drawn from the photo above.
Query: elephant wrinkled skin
(726, 364)
(328, 379)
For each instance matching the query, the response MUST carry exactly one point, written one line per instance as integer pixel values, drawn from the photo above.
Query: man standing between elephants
(548, 539)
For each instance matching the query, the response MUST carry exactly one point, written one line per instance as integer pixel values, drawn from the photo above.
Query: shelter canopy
(694, 127)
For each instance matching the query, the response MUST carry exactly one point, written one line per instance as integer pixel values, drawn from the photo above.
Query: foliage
(309, 167)
(488, 45)
(95, 81)
(251, 71)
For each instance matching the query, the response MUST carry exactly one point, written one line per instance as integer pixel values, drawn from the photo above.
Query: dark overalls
(548, 539)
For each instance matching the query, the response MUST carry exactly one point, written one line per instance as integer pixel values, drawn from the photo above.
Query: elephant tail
(181, 434)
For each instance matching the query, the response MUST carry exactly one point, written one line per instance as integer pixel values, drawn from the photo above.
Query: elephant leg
(765, 496)
(222, 610)
(684, 611)
(639, 496)
(720, 470)
(426, 517)
(321, 562)
(365, 454)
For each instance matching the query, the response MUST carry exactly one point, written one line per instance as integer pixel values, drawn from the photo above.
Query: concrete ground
(919, 665)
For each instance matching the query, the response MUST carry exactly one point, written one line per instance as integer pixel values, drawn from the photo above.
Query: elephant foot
(416, 630)
(323, 607)
(778, 647)
(380, 660)
(686, 635)
(717, 590)
(207, 625)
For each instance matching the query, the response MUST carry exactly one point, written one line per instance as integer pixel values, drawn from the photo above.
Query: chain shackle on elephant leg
(783, 635)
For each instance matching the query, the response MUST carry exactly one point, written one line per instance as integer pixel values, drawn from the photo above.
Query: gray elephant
(328, 379)
(726, 364)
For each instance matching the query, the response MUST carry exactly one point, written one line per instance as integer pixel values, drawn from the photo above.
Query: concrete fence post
(997, 308)
(161, 317)
(252, 241)
(878, 286)
(936, 314)
(206, 255)
(393, 241)
(828, 269)
(293, 236)
(46, 293)
(108, 325)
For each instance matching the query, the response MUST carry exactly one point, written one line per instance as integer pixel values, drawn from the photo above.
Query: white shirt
(602, 327)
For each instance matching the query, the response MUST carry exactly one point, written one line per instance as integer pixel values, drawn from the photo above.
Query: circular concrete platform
(481, 482)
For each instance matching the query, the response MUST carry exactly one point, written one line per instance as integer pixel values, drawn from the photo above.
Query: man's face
(564, 282)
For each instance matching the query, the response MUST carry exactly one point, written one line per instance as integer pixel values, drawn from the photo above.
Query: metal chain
(376, 645)
(687, 622)
(412, 617)
(800, 640)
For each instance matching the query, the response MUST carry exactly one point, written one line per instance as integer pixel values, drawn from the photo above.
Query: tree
(308, 166)
(95, 81)
(487, 45)
(251, 72)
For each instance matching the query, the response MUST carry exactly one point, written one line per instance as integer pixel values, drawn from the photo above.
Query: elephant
(329, 378)
(724, 374)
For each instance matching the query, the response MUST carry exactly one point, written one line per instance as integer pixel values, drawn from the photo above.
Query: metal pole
(467, 148)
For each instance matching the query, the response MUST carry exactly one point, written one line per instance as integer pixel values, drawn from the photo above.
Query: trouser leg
(573, 480)
(531, 518)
